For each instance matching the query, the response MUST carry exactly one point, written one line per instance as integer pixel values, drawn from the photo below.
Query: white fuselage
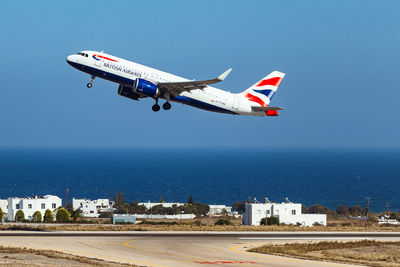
(125, 72)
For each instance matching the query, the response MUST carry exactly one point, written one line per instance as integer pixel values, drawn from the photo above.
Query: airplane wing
(180, 87)
(266, 108)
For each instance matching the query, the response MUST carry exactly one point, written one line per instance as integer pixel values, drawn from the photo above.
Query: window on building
(92, 211)
(43, 206)
(293, 212)
(29, 206)
(268, 211)
(53, 206)
(17, 206)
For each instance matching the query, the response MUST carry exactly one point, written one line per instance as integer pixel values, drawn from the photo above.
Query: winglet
(223, 75)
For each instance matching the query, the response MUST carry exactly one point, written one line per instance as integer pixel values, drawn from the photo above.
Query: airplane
(137, 81)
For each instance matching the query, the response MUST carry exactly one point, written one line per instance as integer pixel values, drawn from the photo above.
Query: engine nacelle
(145, 87)
(272, 113)
(128, 92)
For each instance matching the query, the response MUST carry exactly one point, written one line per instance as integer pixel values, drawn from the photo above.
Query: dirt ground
(368, 253)
(28, 257)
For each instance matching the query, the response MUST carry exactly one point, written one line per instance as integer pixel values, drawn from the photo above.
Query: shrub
(62, 216)
(48, 216)
(19, 216)
(1, 215)
(37, 217)
(342, 210)
(263, 221)
(273, 220)
(223, 222)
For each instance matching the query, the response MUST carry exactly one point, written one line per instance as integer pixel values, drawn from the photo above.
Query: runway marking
(224, 262)
(192, 259)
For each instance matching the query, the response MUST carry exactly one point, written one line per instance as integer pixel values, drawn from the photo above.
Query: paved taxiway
(179, 248)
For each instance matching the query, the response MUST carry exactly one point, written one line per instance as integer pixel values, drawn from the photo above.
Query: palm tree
(75, 214)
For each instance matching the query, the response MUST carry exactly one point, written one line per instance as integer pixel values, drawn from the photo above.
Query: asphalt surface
(180, 248)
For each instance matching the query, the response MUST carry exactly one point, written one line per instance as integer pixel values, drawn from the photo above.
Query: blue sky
(342, 60)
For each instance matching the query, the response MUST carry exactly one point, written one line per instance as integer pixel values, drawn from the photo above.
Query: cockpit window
(86, 55)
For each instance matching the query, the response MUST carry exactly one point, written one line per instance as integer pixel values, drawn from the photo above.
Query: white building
(4, 207)
(219, 209)
(385, 219)
(92, 208)
(287, 212)
(29, 205)
(149, 204)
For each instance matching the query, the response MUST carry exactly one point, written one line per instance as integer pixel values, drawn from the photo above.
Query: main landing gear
(156, 106)
(90, 84)
(166, 106)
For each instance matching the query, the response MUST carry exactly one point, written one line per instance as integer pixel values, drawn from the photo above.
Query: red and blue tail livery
(137, 82)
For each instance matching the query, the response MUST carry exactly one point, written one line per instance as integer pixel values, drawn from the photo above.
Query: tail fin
(262, 91)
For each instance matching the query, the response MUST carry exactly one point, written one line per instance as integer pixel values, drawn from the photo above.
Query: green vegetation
(239, 206)
(273, 220)
(1, 215)
(19, 216)
(223, 222)
(62, 216)
(190, 200)
(37, 217)
(198, 209)
(48, 216)
(75, 214)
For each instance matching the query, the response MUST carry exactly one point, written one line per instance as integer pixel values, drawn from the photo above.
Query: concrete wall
(149, 205)
(156, 216)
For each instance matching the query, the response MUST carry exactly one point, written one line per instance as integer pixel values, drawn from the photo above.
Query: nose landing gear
(90, 84)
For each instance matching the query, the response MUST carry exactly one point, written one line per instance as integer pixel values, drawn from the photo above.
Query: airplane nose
(69, 58)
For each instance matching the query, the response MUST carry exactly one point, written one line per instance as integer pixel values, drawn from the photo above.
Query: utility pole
(66, 197)
(387, 208)
(367, 209)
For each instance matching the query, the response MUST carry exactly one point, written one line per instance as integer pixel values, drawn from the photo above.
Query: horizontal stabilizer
(266, 108)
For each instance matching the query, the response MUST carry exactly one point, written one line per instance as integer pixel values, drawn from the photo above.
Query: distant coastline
(327, 176)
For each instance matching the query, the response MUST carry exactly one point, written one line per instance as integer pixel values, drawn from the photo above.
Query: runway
(180, 248)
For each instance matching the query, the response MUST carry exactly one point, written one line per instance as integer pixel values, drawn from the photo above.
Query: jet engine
(128, 92)
(272, 113)
(145, 87)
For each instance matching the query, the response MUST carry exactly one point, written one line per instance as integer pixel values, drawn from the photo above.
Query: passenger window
(86, 55)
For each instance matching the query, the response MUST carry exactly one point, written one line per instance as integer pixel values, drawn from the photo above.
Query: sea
(327, 176)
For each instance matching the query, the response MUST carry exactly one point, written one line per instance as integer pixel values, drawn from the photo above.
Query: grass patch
(366, 252)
